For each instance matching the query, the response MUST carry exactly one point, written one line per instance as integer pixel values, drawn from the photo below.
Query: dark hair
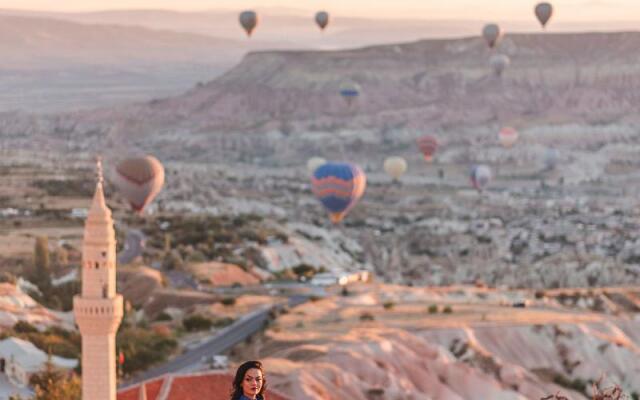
(236, 390)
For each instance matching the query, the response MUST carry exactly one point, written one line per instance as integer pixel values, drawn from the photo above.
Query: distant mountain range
(56, 62)
(432, 83)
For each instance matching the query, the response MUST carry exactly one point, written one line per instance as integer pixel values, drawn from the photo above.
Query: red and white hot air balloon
(139, 180)
(508, 137)
(428, 146)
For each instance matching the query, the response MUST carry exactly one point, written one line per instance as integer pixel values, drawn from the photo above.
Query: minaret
(98, 309)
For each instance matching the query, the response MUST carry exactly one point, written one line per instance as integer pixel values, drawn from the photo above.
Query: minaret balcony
(98, 315)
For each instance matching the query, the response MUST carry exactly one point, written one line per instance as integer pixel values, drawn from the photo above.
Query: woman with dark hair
(249, 382)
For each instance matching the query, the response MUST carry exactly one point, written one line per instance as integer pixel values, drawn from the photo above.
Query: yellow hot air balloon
(248, 21)
(139, 180)
(314, 162)
(395, 167)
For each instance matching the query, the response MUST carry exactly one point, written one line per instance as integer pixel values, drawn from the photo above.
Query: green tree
(167, 243)
(197, 323)
(55, 384)
(41, 259)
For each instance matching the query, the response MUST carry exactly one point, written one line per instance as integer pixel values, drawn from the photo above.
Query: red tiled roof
(212, 385)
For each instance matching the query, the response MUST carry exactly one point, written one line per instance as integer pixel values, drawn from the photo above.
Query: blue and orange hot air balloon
(339, 187)
(428, 145)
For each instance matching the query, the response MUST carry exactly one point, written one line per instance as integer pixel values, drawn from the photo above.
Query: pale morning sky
(567, 10)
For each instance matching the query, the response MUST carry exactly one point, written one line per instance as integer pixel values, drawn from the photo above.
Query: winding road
(223, 341)
(133, 246)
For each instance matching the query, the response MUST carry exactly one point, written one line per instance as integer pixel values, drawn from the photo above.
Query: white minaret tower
(98, 309)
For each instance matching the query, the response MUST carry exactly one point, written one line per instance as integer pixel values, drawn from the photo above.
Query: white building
(20, 359)
(98, 309)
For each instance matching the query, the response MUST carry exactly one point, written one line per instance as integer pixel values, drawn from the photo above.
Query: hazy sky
(498, 10)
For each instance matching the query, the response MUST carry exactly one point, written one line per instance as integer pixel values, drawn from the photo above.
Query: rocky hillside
(448, 343)
(432, 83)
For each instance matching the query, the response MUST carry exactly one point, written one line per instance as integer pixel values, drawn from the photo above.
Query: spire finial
(99, 178)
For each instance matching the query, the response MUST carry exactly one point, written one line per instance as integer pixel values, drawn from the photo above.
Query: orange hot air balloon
(428, 145)
(139, 180)
(508, 137)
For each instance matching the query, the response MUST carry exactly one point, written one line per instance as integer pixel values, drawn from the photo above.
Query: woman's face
(252, 383)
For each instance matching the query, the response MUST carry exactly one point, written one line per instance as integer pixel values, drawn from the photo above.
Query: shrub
(304, 270)
(228, 301)
(576, 384)
(433, 309)
(143, 348)
(447, 310)
(163, 316)
(388, 305)
(222, 322)
(366, 316)
(24, 327)
(197, 323)
(7, 277)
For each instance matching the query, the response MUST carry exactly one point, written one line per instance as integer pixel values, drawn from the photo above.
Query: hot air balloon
(350, 92)
(492, 34)
(550, 158)
(248, 21)
(395, 167)
(139, 180)
(428, 145)
(499, 62)
(322, 19)
(508, 137)
(339, 187)
(544, 12)
(480, 177)
(314, 162)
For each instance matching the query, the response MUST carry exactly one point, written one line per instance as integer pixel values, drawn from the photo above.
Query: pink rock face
(498, 362)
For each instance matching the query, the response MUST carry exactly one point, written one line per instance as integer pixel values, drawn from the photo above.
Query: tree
(167, 243)
(41, 259)
(61, 257)
(53, 384)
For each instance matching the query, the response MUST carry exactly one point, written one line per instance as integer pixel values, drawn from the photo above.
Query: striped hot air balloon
(480, 177)
(339, 187)
(428, 146)
(508, 136)
(139, 180)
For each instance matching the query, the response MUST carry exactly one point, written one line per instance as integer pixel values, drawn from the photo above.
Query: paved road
(220, 343)
(133, 246)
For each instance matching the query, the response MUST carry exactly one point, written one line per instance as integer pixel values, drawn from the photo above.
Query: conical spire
(99, 207)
